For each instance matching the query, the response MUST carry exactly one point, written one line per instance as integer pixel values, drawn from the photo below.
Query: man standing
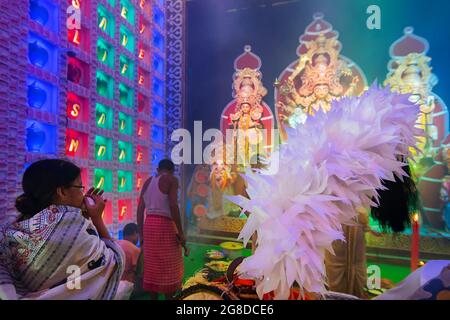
(162, 233)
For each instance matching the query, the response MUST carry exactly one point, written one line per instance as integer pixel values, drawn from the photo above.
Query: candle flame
(416, 217)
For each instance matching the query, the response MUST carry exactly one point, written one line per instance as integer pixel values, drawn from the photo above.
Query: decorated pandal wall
(94, 94)
(306, 86)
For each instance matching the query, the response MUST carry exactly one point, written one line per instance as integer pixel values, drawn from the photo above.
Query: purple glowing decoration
(37, 54)
(35, 138)
(74, 73)
(36, 96)
(38, 12)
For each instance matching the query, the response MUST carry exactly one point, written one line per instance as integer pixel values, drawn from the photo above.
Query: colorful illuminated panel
(40, 137)
(105, 52)
(125, 152)
(103, 148)
(125, 210)
(126, 67)
(141, 177)
(90, 92)
(42, 53)
(141, 155)
(41, 95)
(158, 134)
(108, 213)
(105, 21)
(103, 116)
(127, 11)
(127, 39)
(125, 124)
(124, 181)
(103, 179)
(45, 13)
(78, 72)
(76, 144)
(126, 95)
(105, 85)
(158, 111)
(77, 108)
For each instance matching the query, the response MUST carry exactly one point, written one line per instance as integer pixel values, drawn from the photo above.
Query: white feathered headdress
(329, 166)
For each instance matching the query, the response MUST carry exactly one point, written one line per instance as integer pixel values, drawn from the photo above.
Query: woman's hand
(94, 204)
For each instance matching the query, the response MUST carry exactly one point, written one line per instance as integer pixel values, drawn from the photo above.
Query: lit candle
(415, 242)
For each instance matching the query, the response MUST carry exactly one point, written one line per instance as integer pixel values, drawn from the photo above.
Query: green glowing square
(105, 21)
(105, 52)
(124, 181)
(103, 179)
(125, 152)
(103, 116)
(126, 95)
(105, 85)
(103, 148)
(127, 11)
(125, 124)
(126, 67)
(126, 38)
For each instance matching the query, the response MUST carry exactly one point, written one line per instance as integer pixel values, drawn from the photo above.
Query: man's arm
(173, 205)
(140, 211)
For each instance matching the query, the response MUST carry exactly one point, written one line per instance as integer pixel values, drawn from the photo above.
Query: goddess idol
(320, 75)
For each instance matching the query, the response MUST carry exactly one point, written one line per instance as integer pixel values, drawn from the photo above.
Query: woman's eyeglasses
(79, 187)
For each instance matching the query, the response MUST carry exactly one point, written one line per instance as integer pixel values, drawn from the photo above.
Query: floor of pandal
(196, 261)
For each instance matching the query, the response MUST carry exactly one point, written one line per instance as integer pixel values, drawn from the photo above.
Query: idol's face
(321, 91)
(245, 107)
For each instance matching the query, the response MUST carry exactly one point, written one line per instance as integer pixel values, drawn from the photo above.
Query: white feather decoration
(329, 166)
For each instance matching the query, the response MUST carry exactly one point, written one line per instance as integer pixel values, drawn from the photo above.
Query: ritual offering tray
(214, 255)
(231, 249)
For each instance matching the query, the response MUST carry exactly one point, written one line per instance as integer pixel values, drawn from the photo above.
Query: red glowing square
(141, 177)
(76, 144)
(76, 107)
(125, 210)
(142, 129)
(143, 104)
(107, 213)
(141, 155)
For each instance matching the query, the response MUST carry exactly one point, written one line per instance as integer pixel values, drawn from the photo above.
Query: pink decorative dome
(247, 60)
(314, 29)
(408, 43)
